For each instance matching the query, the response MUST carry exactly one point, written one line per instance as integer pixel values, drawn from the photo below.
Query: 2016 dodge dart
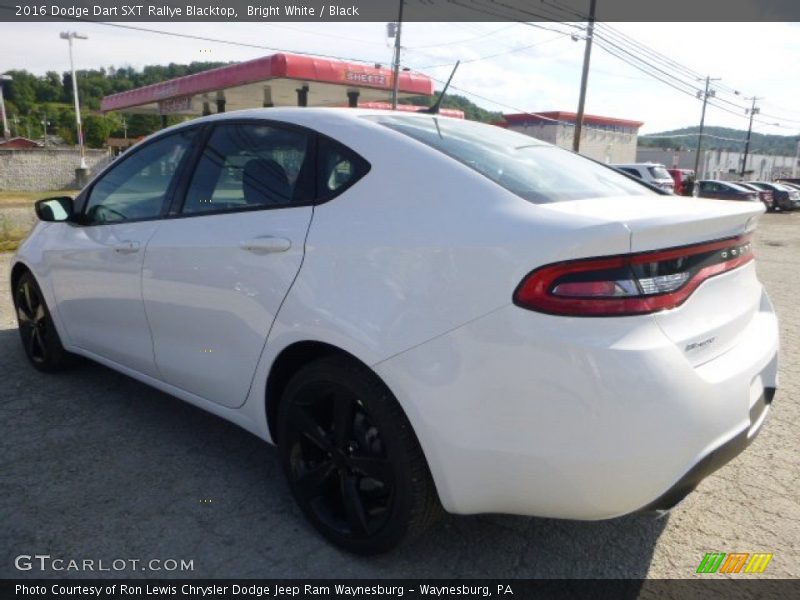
(421, 312)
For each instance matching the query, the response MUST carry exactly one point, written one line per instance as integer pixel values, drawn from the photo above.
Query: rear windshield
(528, 167)
(659, 173)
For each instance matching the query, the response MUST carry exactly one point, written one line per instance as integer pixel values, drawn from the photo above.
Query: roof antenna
(434, 110)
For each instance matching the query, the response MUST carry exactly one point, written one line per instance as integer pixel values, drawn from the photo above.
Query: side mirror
(54, 209)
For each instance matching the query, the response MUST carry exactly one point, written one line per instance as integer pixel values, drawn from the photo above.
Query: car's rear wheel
(352, 460)
(36, 329)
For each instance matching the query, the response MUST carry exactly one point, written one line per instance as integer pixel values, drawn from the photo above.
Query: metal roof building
(276, 80)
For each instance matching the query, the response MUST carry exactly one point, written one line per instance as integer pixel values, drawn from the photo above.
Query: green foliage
(32, 99)
(686, 138)
(471, 110)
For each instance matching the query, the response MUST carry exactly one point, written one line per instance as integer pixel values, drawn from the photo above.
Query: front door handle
(266, 245)
(126, 247)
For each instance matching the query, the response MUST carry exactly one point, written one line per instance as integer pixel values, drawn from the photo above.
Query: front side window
(531, 169)
(137, 188)
(251, 165)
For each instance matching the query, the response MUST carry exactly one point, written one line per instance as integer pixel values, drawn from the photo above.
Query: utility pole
(6, 133)
(587, 55)
(753, 111)
(45, 123)
(705, 95)
(396, 78)
(796, 159)
(69, 36)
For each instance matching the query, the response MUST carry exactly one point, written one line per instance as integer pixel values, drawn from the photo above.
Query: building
(277, 80)
(724, 164)
(605, 139)
(18, 143)
(119, 145)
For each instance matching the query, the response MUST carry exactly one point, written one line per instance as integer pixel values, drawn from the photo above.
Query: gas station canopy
(276, 80)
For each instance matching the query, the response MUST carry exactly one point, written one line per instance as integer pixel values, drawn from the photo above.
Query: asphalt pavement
(96, 466)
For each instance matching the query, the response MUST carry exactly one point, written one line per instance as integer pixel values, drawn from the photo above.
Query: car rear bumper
(525, 413)
(717, 458)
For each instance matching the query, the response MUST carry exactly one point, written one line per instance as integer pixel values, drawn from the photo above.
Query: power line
(676, 83)
(486, 11)
(505, 52)
(226, 42)
(472, 39)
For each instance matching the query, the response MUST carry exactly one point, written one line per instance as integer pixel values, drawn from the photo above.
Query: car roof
(299, 115)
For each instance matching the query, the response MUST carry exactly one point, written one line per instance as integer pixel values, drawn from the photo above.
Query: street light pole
(396, 77)
(69, 36)
(6, 132)
(706, 95)
(753, 111)
(587, 55)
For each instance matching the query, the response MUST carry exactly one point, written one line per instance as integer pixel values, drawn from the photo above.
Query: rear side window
(659, 173)
(252, 165)
(530, 168)
(338, 168)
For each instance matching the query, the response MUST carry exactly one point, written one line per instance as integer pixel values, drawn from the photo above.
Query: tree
(96, 130)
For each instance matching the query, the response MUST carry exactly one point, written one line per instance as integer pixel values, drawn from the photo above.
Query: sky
(506, 67)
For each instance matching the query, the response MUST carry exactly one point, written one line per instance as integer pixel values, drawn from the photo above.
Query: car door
(216, 273)
(96, 262)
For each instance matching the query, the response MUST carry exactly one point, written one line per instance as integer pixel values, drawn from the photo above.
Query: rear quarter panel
(421, 246)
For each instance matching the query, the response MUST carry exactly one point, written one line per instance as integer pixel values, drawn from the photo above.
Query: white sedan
(421, 312)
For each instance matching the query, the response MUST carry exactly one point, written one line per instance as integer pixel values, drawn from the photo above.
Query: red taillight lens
(630, 284)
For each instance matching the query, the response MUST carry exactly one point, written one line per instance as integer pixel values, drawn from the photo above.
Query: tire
(38, 333)
(351, 458)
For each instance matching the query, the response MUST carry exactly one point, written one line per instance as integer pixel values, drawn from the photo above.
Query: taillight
(629, 284)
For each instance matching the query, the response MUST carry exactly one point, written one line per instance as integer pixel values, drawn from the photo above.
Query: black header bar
(387, 10)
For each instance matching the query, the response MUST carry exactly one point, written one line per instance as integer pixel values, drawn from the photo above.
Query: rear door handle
(266, 245)
(126, 247)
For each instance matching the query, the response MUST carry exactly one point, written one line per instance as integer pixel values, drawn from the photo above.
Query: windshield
(528, 167)
(737, 187)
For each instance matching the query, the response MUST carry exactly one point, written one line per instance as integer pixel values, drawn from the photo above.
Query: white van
(653, 173)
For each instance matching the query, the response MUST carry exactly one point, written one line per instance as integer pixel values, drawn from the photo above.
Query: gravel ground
(96, 465)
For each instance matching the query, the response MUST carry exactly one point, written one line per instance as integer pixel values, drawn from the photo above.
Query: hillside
(723, 138)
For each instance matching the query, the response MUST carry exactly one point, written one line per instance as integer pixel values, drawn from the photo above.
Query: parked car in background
(765, 195)
(420, 311)
(724, 190)
(684, 180)
(652, 173)
(785, 197)
(793, 186)
(792, 180)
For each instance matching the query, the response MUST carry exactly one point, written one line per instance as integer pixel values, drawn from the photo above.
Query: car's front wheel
(352, 460)
(39, 336)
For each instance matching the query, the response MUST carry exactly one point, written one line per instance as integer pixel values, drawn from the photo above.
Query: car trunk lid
(709, 321)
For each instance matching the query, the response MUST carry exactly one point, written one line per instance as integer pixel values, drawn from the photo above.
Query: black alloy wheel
(39, 336)
(352, 461)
